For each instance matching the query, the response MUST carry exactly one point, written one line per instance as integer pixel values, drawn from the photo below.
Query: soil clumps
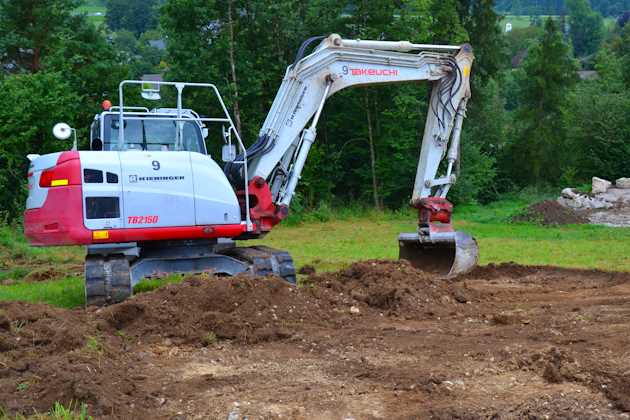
(550, 212)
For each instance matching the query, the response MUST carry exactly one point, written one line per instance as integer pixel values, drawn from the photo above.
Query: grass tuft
(94, 344)
(209, 339)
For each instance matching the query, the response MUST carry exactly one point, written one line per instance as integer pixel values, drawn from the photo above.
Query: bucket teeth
(446, 258)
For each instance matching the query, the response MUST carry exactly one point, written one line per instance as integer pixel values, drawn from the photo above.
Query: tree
(136, 16)
(587, 27)
(598, 122)
(548, 75)
(29, 30)
(60, 75)
(446, 25)
(599, 132)
(30, 105)
(481, 23)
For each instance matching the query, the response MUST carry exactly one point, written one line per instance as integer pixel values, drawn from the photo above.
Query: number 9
(156, 165)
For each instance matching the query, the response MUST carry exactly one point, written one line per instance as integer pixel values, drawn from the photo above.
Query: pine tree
(136, 16)
(482, 24)
(548, 75)
(30, 29)
(587, 27)
(446, 26)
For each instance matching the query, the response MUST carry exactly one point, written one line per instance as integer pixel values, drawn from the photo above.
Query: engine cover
(138, 193)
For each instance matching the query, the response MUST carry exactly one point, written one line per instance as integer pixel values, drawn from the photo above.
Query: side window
(102, 208)
(112, 178)
(92, 176)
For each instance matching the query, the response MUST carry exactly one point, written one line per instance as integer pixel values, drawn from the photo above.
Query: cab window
(154, 134)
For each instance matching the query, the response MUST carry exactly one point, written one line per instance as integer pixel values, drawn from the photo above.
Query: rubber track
(107, 280)
(266, 261)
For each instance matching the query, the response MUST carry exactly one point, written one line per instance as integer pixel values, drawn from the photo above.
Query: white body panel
(215, 201)
(157, 189)
(160, 189)
(36, 195)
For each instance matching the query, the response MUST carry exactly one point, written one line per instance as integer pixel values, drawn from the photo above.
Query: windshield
(154, 134)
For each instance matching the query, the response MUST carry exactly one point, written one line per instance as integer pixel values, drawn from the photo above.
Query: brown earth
(377, 340)
(550, 212)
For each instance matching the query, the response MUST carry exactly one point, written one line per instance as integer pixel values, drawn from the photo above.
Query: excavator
(147, 199)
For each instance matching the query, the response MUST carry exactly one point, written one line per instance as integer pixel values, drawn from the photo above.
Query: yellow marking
(100, 234)
(466, 71)
(58, 182)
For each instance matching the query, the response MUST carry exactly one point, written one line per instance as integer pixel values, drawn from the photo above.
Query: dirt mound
(50, 355)
(379, 339)
(242, 308)
(394, 287)
(550, 212)
(493, 271)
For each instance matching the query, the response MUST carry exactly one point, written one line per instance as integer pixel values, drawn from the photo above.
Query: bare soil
(379, 340)
(550, 212)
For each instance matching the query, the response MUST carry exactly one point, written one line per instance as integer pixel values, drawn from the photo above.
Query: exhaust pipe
(448, 257)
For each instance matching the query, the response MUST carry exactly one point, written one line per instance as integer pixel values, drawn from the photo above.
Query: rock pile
(603, 195)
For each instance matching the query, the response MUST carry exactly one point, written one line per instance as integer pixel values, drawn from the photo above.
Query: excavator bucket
(447, 258)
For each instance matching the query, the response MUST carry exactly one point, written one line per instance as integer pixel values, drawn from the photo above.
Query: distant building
(160, 44)
(518, 58)
(587, 74)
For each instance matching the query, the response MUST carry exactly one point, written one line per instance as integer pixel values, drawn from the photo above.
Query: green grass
(516, 21)
(74, 411)
(66, 293)
(91, 9)
(330, 240)
(524, 21)
(334, 244)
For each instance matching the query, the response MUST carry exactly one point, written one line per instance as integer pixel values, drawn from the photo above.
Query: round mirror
(62, 131)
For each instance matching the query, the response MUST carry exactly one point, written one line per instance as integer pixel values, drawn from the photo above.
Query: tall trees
(446, 26)
(539, 152)
(29, 30)
(30, 105)
(63, 65)
(587, 27)
(136, 16)
(598, 121)
(481, 22)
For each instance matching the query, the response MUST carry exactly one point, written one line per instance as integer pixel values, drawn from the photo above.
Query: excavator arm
(277, 158)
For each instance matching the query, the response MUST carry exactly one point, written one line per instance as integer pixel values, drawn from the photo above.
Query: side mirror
(62, 131)
(228, 153)
(204, 132)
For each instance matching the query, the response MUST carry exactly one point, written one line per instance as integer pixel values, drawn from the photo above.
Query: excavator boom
(286, 136)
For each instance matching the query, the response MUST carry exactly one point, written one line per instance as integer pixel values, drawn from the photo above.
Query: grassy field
(523, 21)
(331, 241)
(94, 10)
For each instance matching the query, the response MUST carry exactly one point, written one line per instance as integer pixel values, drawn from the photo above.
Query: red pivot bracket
(434, 209)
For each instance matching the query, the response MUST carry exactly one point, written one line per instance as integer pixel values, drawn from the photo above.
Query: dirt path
(378, 340)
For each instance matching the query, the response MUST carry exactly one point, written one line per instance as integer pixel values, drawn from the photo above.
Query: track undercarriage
(112, 270)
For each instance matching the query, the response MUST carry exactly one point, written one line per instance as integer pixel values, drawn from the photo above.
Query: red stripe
(179, 232)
